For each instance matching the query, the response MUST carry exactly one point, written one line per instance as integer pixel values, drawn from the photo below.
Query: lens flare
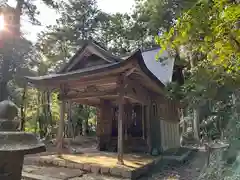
(2, 24)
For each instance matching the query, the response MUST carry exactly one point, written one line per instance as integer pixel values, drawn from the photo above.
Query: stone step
(33, 172)
(31, 176)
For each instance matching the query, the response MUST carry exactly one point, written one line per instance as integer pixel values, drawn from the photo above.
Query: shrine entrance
(134, 121)
(134, 127)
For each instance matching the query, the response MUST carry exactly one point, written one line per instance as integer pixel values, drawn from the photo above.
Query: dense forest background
(78, 21)
(203, 36)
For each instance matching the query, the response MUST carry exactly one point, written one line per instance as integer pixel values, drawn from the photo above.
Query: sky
(48, 16)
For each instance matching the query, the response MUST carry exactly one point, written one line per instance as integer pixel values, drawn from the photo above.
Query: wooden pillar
(162, 135)
(60, 136)
(120, 121)
(143, 122)
(148, 116)
(125, 121)
(98, 129)
(120, 131)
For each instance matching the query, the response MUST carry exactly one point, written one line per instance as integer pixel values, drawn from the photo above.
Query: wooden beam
(135, 98)
(130, 71)
(88, 102)
(91, 94)
(89, 82)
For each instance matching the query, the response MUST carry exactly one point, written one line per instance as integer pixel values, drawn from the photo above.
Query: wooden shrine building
(133, 112)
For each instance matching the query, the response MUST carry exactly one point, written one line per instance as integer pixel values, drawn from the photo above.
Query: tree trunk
(18, 13)
(23, 109)
(3, 90)
(7, 58)
(46, 113)
(41, 127)
(43, 117)
(70, 121)
(49, 108)
(38, 111)
(196, 123)
(196, 127)
(85, 127)
(6, 75)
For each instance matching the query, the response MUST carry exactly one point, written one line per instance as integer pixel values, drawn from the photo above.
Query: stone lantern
(14, 144)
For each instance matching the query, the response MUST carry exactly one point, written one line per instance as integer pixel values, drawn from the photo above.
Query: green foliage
(159, 16)
(209, 43)
(214, 34)
(207, 37)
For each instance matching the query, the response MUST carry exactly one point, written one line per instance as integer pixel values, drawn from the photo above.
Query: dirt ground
(190, 170)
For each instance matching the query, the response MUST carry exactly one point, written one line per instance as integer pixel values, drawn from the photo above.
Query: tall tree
(78, 22)
(212, 38)
(12, 36)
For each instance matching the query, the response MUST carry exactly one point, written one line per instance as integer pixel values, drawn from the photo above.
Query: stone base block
(95, 169)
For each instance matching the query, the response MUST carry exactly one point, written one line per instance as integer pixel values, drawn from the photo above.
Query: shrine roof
(158, 72)
(75, 74)
(93, 47)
